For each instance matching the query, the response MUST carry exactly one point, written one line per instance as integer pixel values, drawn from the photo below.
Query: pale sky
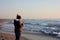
(30, 9)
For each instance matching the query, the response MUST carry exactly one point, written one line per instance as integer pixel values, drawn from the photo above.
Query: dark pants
(17, 35)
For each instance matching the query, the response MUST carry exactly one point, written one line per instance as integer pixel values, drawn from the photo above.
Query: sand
(39, 36)
(7, 36)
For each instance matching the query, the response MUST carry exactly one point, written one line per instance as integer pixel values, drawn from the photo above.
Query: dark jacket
(17, 25)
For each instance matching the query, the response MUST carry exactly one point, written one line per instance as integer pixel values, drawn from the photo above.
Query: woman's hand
(21, 27)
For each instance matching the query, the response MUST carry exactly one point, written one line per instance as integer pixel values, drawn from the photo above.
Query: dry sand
(7, 36)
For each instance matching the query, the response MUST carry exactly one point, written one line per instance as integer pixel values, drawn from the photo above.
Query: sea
(32, 25)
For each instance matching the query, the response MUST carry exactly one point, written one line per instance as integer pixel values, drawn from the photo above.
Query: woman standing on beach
(18, 27)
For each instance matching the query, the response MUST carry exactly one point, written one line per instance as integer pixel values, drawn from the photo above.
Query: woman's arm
(21, 24)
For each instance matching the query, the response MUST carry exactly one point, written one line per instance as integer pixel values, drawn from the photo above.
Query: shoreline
(26, 35)
(8, 36)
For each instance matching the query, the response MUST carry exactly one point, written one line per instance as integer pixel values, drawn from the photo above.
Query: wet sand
(39, 36)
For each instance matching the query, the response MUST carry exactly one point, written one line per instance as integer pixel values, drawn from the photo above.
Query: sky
(30, 9)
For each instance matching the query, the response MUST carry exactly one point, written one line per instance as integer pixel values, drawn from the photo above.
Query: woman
(18, 27)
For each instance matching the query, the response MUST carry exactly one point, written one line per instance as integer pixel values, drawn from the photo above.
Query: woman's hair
(18, 17)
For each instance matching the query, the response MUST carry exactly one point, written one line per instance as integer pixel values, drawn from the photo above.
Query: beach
(39, 36)
(8, 36)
